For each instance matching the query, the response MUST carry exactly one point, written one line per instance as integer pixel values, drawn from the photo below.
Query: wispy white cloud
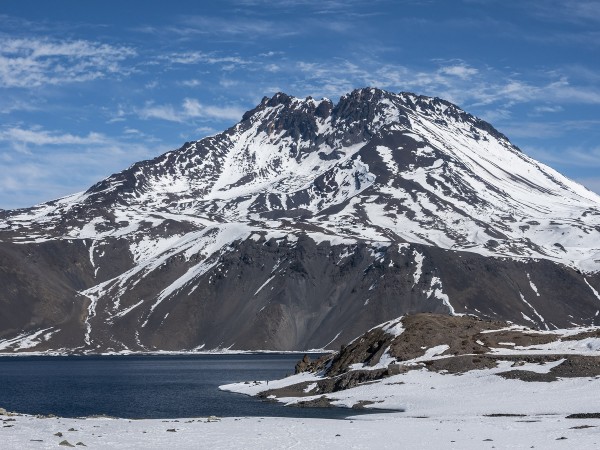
(194, 82)
(48, 175)
(34, 62)
(548, 109)
(459, 83)
(459, 70)
(496, 115)
(8, 106)
(206, 131)
(20, 180)
(196, 57)
(190, 109)
(575, 11)
(338, 77)
(44, 137)
(163, 112)
(232, 28)
(227, 83)
(588, 158)
(193, 108)
(548, 129)
(58, 164)
(118, 115)
(262, 21)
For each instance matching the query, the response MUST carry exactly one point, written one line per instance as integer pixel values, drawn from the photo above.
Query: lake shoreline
(171, 353)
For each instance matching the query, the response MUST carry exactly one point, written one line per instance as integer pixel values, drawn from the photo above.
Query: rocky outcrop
(450, 345)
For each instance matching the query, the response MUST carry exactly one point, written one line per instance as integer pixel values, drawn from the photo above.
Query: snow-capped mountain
(301, 227)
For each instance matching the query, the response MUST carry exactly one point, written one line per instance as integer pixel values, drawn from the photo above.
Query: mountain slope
(304, 225)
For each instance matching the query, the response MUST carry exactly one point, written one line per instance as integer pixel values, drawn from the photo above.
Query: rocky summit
(301, 227)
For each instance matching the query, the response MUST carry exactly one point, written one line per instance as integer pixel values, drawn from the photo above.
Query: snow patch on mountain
(533, 286)
(436, 291)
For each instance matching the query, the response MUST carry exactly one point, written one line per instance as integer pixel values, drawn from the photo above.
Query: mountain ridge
(416, 183)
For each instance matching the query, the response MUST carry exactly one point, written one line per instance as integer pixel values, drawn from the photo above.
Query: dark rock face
(316, 298)
(299, 228)
(303, 365)
(40, 292)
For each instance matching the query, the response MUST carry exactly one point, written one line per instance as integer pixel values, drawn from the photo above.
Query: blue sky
(89, 87)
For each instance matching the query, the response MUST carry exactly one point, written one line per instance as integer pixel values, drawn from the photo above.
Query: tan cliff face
(301, 227)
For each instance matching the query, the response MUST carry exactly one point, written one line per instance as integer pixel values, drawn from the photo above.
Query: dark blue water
(145, 386)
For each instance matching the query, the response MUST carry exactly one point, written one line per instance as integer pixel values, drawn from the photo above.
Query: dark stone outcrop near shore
(463, 343)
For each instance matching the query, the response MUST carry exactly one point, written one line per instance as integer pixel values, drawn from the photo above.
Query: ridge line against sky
(88, 88)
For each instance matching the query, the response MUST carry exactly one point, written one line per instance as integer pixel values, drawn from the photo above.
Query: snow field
(380, 431)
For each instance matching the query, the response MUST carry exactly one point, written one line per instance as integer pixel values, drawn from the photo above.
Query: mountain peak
(319, 108)
(364, 111)
(292, 157)
(347, 214)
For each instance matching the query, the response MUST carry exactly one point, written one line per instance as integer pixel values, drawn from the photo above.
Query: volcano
(301, 227)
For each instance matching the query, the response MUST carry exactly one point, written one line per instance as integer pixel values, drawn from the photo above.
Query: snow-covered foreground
(382, 431)
(475, 393)
(475, 410)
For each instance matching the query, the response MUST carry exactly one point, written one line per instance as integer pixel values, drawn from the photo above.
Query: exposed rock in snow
(373, 370)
